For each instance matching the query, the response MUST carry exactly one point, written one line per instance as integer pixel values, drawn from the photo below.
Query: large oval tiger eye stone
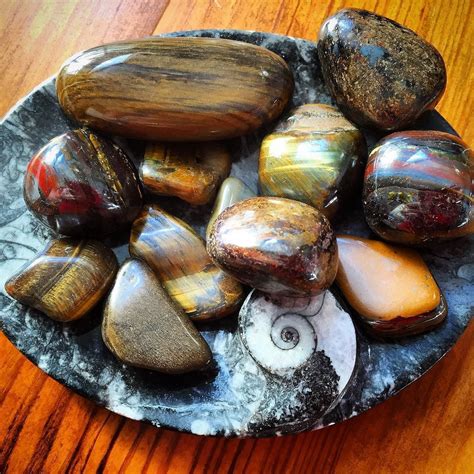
(144, 328)
(82, 184)
(66, 279)
(276, 245)
(192, 172)
(231, 191)
(418, 187)
(178, 257)
(380, 73)
(390, 287)
(316, 156)
(175, 89)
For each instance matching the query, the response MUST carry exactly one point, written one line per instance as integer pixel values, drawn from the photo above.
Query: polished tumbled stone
(389, 286)
(192, 172)
(315, 156)
(144, 328)
(380, 73)
(418, 187)
(276, 245)
(232, 190)
(178, 257)
(66, 280)
(83, 185)
(175, 89)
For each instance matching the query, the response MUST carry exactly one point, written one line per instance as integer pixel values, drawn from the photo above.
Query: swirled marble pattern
(216, 402)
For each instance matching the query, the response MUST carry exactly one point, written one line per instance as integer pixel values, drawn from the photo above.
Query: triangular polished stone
(389, 286)
(143, 327)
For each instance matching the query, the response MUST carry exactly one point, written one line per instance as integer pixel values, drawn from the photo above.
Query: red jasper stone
(82, 184)
(419, 187)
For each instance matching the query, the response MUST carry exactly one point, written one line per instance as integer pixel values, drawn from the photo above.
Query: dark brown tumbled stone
(380, 73)
(142, 326)
(277, 245)
(83, 185)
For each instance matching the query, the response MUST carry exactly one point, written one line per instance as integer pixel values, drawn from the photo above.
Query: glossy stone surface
(144, 328)
(402, 327)
(231, 191)
(82, 184)
(276, 245)
(380, 73)
(418, 187)
(201, 402)
(307, 349)
(390, 287)
(315, 156)
(192, 172)
(178, 257)
(66, 280)
(175, 89)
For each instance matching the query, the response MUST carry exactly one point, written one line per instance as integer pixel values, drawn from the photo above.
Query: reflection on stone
(66, 280)
(178, 257)
(316, 156)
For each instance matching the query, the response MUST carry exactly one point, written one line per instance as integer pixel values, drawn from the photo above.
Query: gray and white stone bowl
(237, 396)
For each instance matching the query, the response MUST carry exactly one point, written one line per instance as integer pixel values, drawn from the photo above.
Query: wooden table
(44, 427)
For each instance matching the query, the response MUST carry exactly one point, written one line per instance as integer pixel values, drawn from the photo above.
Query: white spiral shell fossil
(284, 335)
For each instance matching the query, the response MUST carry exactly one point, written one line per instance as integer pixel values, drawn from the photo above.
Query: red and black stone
(82, 184)
(418, 187)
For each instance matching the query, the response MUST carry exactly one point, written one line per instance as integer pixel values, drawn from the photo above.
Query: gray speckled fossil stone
(217, 401)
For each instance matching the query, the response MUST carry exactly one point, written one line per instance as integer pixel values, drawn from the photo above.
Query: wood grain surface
(44, 427)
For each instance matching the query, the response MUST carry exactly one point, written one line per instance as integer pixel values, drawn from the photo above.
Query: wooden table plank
(37, 36)
(44, 427)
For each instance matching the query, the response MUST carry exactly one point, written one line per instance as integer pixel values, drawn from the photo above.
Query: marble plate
(348, 373)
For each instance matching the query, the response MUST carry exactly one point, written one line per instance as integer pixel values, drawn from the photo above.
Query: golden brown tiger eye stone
(192, 172)
(276, 245)
(144, 328)
(175, 89)
(66, 279)
(389, 286)
(178, 257)
(316, 156)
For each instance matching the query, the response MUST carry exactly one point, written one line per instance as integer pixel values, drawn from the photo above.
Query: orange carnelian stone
(382, 281)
